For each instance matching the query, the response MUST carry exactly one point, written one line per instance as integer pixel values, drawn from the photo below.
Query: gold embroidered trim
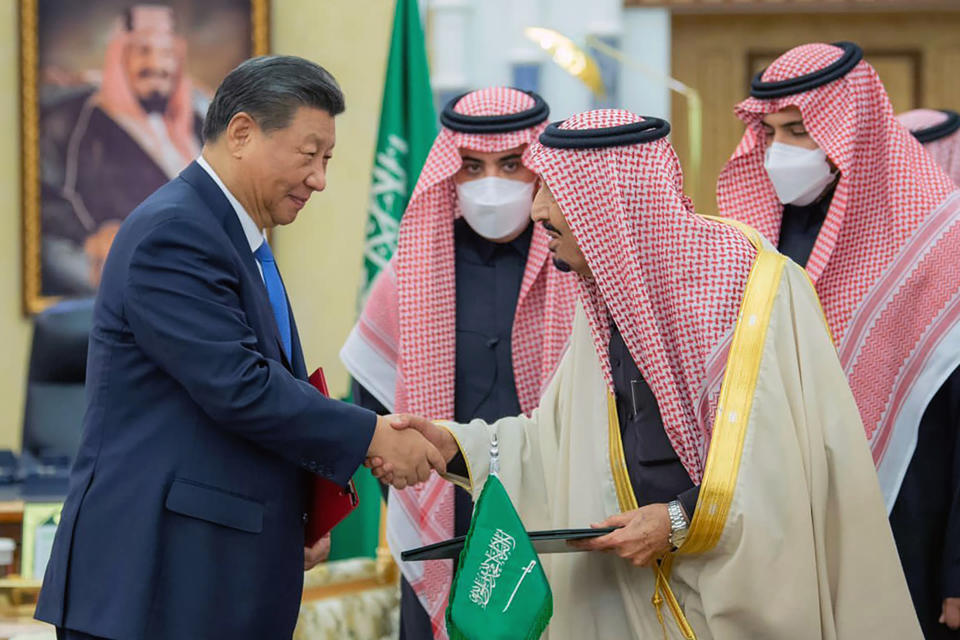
(628, 502)
(736, 401)
(460, 481)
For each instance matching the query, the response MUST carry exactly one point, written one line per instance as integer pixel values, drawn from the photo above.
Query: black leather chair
(53, 416)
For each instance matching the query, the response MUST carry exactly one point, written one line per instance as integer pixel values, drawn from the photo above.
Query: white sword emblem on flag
(527, 569)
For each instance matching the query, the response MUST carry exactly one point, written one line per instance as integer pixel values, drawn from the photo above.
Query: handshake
(405, 449)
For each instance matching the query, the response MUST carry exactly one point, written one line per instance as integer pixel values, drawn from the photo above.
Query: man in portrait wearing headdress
(107, 150)
(699, 409)
(825, 172)
(471, 299)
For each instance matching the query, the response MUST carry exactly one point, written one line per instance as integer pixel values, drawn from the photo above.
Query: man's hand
(319, 552)
(404, 453)
(644, 535)
(951, 613)
(437, 436)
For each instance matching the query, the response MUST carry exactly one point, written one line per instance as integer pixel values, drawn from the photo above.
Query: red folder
(330, 502)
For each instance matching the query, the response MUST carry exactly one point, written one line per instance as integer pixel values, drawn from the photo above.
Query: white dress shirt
(255, 235)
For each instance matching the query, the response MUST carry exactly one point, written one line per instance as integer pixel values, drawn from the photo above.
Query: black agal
(647, 130)
(533, 116)
(942, 130)
(852, 54)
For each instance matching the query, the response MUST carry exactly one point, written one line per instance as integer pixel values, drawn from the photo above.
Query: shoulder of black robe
(951, 551)
(488, 280)
(472, 246)
(926, 515)
(362, 397)
(800, 227)
(650, 456)
(488, 277)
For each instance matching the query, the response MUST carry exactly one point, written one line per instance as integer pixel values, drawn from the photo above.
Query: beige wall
(319, 255)
(14, 329)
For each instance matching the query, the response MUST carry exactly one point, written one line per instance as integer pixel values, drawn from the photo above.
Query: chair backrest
(55, 403)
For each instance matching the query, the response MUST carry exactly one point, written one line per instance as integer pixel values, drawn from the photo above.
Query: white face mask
(799, 175)
(496, 208)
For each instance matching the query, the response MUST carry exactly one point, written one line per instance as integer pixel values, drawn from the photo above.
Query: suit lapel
(204, 185)
(266, 323)
(299, 363)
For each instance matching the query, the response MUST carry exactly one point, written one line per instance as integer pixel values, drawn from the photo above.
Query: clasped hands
(402, 452)
(642, 535)
(405, 449)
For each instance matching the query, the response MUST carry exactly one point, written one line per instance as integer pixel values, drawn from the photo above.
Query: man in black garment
(472, 297)
(826, 172)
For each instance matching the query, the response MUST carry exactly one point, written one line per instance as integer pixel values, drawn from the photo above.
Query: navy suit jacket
(185, 513)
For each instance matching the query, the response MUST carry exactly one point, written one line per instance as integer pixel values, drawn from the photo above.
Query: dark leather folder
(553, 541)
(330, 502)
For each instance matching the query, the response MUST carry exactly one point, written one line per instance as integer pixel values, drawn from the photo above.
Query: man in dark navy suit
(184, 518)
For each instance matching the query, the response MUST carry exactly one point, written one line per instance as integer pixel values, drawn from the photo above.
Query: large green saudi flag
(408, 125)
(499, 591)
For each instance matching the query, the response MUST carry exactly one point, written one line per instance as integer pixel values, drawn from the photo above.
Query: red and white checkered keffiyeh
(670, 279)
(946, 150)
(424, 268)
(885, 262)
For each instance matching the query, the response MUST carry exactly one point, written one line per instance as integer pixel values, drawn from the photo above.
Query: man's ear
(240, 131)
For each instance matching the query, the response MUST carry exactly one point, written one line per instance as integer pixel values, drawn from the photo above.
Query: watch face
(678, 524)
(678, 537)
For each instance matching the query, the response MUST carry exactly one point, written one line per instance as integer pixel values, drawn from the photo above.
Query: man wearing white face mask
(496, 208)
(467, 321)
(826, 171)
(803, 178)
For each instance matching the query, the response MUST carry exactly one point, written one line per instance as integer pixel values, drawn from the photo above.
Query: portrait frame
(35, 299)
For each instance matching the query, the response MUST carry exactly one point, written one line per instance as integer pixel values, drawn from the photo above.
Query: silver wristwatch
(679, 524)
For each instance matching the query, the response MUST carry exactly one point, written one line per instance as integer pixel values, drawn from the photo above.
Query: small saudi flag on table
(499, 591)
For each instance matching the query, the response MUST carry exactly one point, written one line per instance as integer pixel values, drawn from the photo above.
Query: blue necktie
(278, 297)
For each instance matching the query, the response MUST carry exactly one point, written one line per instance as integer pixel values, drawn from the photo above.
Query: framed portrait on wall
(113, 98)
